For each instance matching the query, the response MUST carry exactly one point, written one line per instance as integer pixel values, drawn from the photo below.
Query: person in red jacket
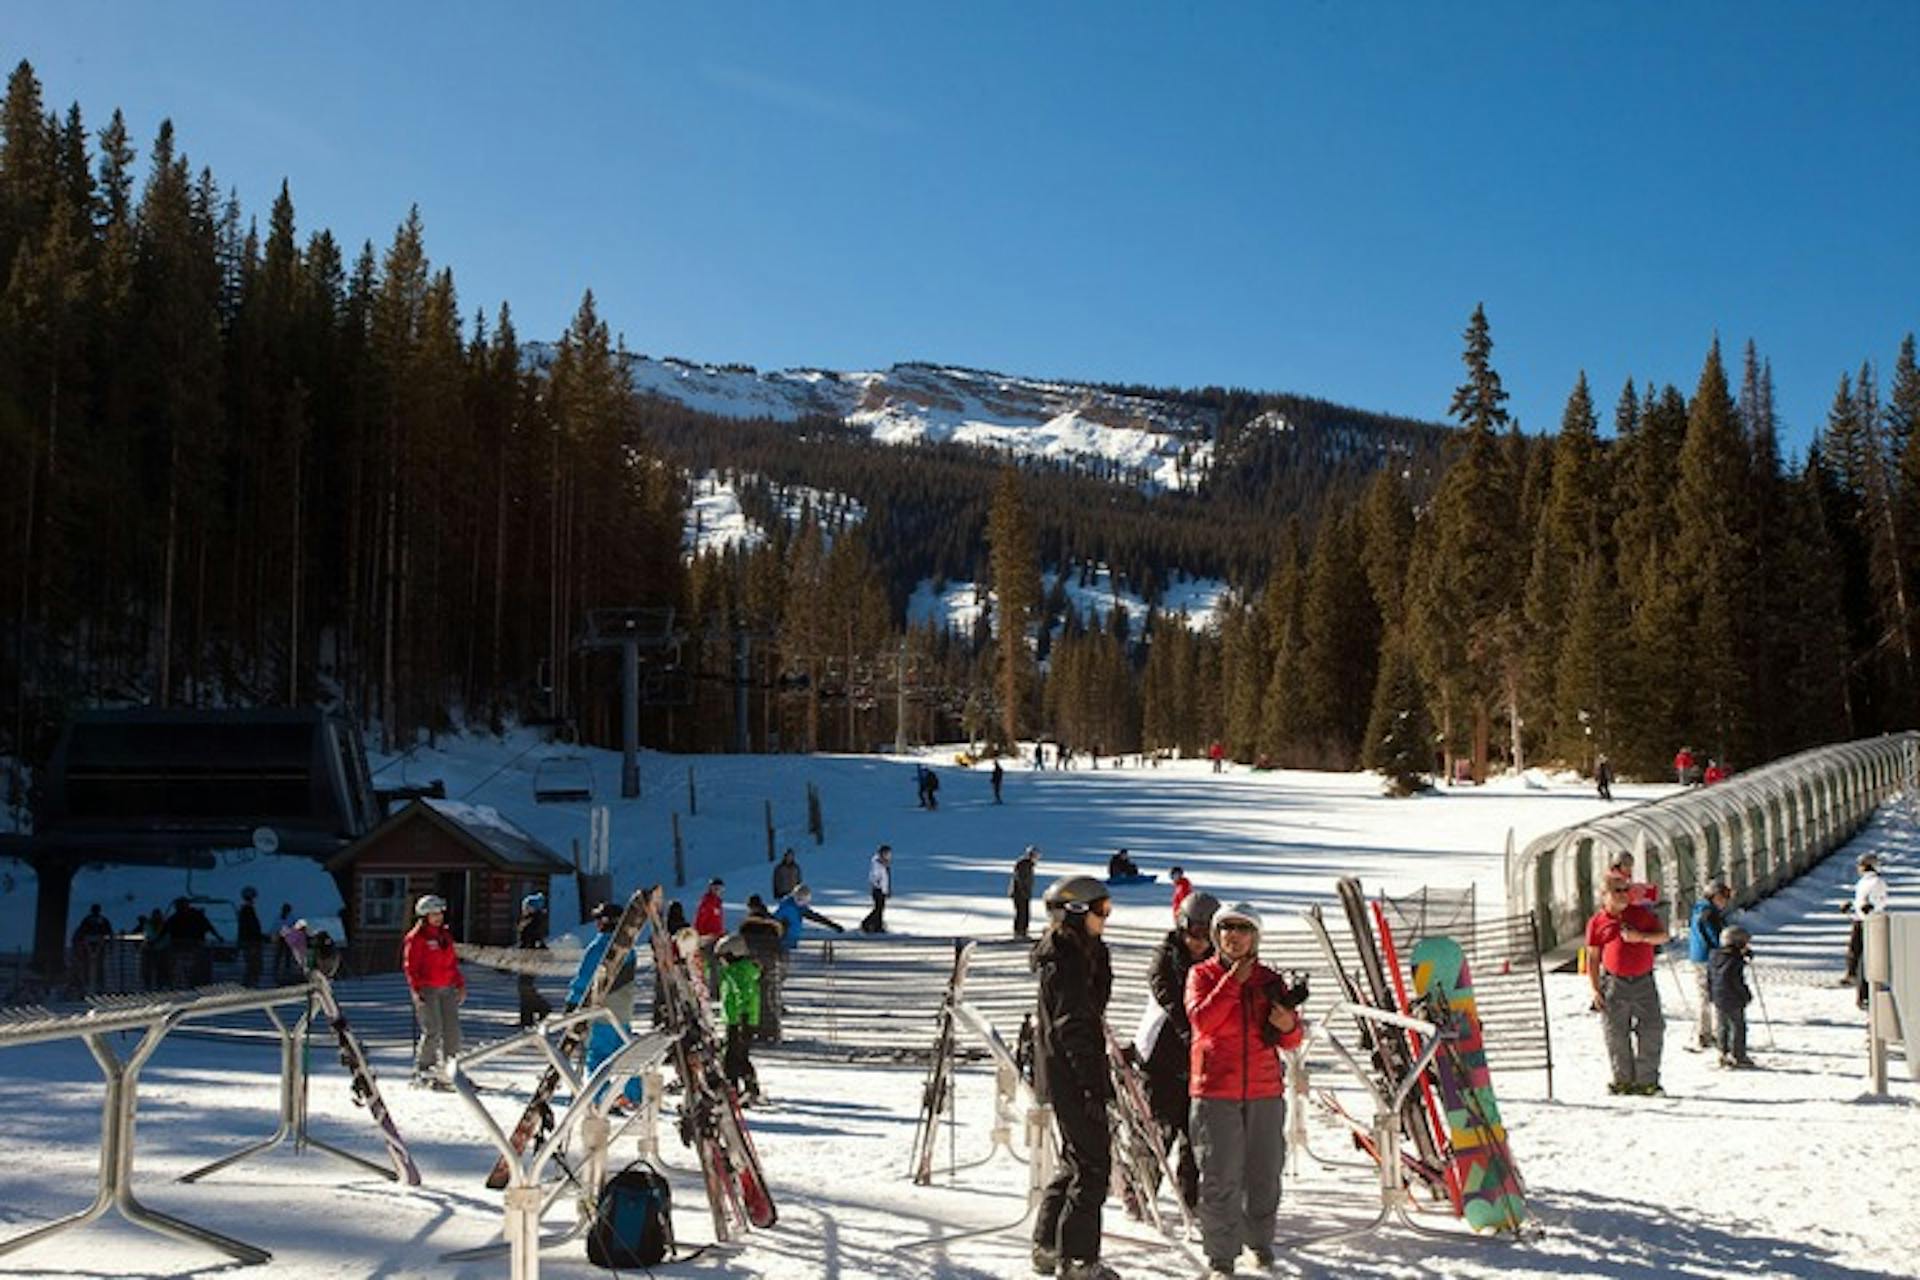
(1242, 1015)
(710, 923)
(439, 989)
(1716, 772)
(1181, 888)
(1683, 766)
(1217, 754)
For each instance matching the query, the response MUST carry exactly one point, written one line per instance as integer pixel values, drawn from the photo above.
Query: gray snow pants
(439, 1009)
(1636, 1029)
(1241, 1148)
(1704, 1032)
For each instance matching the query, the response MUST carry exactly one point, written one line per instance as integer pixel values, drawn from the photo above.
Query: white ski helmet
(428, 904)
(1242, 912)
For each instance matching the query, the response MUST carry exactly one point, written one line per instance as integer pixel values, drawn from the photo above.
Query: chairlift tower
(631, 630)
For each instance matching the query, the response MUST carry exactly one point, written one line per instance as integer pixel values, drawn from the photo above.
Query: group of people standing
(1215, 1077)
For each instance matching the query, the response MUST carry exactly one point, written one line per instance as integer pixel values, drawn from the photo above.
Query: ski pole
(1760, 994)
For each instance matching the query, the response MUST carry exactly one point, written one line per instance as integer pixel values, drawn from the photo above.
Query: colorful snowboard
(1490, 1190)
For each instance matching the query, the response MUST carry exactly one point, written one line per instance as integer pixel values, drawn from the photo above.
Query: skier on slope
(1243, 1015)
(1869, 895)
(1166, 1039)
(439, 988)
(880, 882)
(1020, 888)
(1070, 1072)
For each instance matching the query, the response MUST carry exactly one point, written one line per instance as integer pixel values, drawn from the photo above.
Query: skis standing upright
(574, 1040)
(366, 1086)
(1396, 1055)
(710, 1119)
(939, 1085)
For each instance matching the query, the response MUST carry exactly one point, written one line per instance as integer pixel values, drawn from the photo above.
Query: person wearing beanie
(1242, 1015)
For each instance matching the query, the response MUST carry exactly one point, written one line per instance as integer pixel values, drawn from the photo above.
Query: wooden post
(769, 805)
(679, 856)
(693, 801)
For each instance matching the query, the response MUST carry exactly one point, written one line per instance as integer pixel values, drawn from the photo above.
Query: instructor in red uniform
(1620, 943)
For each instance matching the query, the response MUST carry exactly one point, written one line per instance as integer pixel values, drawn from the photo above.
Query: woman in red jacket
(1243, 1015)
(439, 988)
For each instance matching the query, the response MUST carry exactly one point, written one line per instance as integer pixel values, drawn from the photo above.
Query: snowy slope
(1784, 1172)
(957, 605)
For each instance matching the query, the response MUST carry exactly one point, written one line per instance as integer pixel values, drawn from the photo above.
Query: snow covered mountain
(1151, 442)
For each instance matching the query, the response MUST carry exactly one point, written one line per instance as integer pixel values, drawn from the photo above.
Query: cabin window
(383, 902)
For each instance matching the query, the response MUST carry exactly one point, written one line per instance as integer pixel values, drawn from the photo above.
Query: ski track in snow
(1789, 1171)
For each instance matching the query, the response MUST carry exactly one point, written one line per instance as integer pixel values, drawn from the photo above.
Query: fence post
(679, 856)
(769, 805)
(815, 822)
(693, 801)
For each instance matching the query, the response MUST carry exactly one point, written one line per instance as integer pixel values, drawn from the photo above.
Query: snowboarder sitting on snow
(1727, 980)
(603, 1041)
(1122, 870)
(439, 988)
(740, 1003)
(1070, 1072)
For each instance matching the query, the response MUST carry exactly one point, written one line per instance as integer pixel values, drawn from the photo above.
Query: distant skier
(1869, 896)
(786, 874)
(1709, 917)
(530, 935)
(1039, 755)
(932, 789)
(740, 1004)
(285, 969)
(1603, 775)
(1217, 754)
(1243, 1015)
(880, 882)
(1620, 954)
(1020, 888)
(1716, 772)
(1070, 1072)
(187, 932)
(1181, 888)
(997, 777)
(1683, 766)
(1731, 996)
(433, 975)
(792, 912)
(252, 937)
(1166, 1042)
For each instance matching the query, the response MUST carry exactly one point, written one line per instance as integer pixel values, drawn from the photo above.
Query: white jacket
(880, 876)
(1871, 892)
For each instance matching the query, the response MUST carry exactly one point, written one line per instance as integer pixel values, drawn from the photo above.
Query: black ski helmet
(322, 954)
(1196, 912)
(1075, 895)
(1735, 937)
(607, 914)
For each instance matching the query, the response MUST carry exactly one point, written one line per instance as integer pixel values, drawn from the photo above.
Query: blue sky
(1300, 197)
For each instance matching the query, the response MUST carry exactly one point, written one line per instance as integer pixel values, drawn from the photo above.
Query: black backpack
(633, 1221)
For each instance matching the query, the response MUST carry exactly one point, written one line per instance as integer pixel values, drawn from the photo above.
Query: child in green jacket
(740, 1003)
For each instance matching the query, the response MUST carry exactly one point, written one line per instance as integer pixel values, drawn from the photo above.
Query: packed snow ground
(1789, 1171)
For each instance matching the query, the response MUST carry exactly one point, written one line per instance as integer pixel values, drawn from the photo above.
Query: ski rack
(591, 1110)
(294, 1077)
(153, 1017)
(1396, 1199)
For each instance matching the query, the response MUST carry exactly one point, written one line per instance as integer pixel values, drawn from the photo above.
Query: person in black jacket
(1070, 1072)
(1169, 1054)
(786, 874)
(1727, 987)
(1020, 889)
(530, 934)
(253, 939)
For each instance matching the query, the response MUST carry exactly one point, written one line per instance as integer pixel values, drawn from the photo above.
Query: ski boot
(1045, 1261)
(1087, 1269)
(1262, 1260)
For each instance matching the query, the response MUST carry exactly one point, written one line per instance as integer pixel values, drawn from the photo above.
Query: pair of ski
(938, 1089)
(365, 1085)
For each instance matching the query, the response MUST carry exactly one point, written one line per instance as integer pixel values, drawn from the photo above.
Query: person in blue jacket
(604, 1041)
(1703, 939)
(792, 912)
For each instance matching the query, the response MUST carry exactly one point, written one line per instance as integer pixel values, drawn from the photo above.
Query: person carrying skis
(1620, 952)
(1166, 1039)
(604, 1041)
(1070, 1072)
(1020, 889)
(1869, 895)
(880, 882)
(432, 969)
(530, 935)
(1731, 995)
(1703, 939)
(1243, 1014)
(786, 874)
(740, 1003)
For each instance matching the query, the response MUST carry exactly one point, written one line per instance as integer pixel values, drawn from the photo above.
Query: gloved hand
(1289, 989)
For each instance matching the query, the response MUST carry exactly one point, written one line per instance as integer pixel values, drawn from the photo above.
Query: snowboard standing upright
(538, 1113)
(710, 1119)
(1490, 1190)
